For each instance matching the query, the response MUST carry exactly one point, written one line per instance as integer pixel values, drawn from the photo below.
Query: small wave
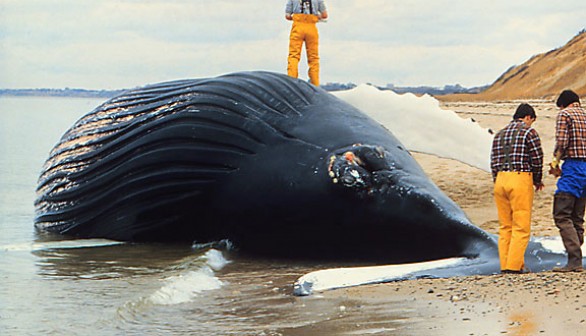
(63, 244)
(185, 287)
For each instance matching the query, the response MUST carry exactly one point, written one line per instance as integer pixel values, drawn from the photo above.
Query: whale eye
(360, 168)
(344, 169)
(348, 180)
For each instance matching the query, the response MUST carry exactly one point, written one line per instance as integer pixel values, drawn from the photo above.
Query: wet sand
(528, 304)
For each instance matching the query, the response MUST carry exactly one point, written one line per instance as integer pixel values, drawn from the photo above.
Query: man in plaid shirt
(516, 161)
(570, 196)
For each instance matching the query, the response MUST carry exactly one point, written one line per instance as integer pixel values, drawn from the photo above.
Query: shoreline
(528, 304)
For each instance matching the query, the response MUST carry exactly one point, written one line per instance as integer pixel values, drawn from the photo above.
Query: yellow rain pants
(304, 30)
(513, 195)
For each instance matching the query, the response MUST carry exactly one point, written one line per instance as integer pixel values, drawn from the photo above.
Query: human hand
(554, 167)
(555, 170)
(539, 187)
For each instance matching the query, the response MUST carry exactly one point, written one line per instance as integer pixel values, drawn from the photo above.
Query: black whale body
(256, 158)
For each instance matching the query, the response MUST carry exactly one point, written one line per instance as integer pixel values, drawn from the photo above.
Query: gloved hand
(554, 168)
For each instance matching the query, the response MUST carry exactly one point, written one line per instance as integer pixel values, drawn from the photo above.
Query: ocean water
(53, 286)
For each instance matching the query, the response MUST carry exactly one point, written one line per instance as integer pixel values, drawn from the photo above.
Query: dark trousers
(568, 214)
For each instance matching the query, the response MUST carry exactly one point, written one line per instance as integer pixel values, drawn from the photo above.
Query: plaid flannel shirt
(570, 135)
(525, 153)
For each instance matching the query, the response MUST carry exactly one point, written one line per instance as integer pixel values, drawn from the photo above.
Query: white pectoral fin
(422, 126)
(327, 279)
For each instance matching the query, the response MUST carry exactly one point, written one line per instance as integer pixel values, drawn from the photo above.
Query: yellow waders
(513, 195)
(304, 30)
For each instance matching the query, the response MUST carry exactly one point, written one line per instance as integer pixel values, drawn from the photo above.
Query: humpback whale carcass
(277, 166)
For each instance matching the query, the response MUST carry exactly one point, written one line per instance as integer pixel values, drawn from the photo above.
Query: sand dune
(543, 76)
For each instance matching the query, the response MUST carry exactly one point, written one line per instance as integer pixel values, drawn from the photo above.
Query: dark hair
(566, 98)
(524, 110)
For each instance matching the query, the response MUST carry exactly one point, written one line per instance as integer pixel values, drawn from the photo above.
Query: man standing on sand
(516, 162)
(570, 197)
(304, 14)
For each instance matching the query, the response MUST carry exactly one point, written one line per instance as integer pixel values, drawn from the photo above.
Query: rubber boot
(578, 218)
(564, 214)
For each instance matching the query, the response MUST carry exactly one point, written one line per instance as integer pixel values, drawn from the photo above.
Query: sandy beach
(528, 304)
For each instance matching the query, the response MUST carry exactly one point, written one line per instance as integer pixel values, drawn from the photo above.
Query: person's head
(567, 98)
(526, 113)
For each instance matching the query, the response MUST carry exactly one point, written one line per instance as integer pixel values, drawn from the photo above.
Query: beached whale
(278, 167)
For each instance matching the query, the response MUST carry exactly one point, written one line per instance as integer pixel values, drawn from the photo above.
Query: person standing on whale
(516, 162)
(570, 197)
(304, 14)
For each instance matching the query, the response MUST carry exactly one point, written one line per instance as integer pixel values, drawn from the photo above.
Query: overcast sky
(111, 44)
